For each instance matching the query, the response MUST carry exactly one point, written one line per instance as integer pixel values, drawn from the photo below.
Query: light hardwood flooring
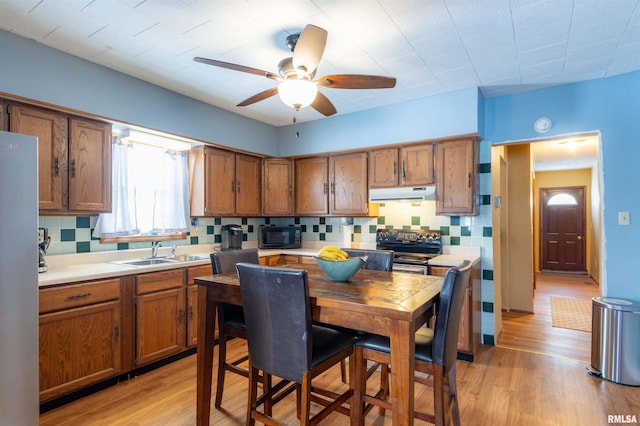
(534, 332)
(501, 387)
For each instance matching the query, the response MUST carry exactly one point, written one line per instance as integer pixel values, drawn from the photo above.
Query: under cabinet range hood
(416, 193)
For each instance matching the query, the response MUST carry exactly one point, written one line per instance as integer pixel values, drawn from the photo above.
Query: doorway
(549, 165)
(562, 233)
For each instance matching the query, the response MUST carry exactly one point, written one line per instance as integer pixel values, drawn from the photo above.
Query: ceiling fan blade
(356, 81)
(259, 97)
(237, 67)
(323, 105)
(309, 48)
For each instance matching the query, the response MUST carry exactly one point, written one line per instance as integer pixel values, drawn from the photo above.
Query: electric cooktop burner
(414, 246)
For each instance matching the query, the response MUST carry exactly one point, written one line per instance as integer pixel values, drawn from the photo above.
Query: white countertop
(69, 268)
(455, 255)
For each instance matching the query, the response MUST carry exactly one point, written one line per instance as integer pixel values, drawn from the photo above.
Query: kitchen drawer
(157, 281)
(70, 296)
(307, 260)
(438, 271)
(198, 271)
(289, 258)
(270, 260)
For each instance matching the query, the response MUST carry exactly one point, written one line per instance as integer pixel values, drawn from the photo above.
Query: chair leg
(343, 371)
(453, 396)
(266, 387)
(439, 405)
(305, 396)
(252, 395)
(298, 402)
(222, 359)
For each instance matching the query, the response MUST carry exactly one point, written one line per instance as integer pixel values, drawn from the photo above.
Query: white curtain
(122, 220)
(171, 204)
(157, 190)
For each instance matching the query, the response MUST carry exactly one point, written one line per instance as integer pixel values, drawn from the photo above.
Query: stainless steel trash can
(615, 340)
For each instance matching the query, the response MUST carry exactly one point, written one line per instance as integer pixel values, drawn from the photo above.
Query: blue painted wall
(435, 117)
(610, 106)
(32, 70)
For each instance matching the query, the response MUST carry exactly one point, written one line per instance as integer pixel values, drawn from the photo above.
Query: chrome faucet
(154, 248)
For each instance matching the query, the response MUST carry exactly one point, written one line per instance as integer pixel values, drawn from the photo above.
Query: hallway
(534, 332)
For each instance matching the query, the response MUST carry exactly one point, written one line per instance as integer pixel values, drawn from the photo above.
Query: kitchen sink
(188, 257)
(161, 260)
(146, 262)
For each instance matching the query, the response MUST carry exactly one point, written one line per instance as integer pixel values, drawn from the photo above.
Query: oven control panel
(406, 236)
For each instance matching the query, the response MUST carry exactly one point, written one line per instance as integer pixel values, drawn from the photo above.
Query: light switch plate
(623, 218)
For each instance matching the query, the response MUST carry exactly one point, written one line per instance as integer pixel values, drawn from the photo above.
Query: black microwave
(282, 237)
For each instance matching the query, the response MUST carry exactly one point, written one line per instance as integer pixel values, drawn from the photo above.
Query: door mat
(574, 314)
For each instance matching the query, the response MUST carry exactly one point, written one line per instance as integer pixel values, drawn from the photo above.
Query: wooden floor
(534, 332)
(502, 386)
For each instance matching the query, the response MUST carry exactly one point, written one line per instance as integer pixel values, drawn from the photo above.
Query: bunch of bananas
(332, 253)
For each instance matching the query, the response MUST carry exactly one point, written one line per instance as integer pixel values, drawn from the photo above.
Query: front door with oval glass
(563, 229)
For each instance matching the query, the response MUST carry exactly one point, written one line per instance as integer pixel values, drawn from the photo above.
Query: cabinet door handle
(325, 188)
(73, 168)
(469, 180)
(395, 167)
(333, 187)
(56, 166)
(78, 296)
(233, 186)
(116, 333)
(181, 316)
(238, 187)
(191, 313)
(403, 175)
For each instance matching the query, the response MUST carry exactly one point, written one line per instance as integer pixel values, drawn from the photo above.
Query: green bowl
(341, 270)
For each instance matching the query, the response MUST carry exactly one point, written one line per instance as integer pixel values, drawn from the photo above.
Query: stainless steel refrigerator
(18, 279)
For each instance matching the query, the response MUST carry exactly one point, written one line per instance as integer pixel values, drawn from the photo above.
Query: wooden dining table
(392, 304)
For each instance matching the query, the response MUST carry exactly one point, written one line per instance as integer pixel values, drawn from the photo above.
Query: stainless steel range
(413, 248)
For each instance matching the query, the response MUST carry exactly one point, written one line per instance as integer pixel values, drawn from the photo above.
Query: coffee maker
(231, 237)
(44, 239)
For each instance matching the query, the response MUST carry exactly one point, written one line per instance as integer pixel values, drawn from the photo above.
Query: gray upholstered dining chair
(381, 260)
(230, 317)
(283, 342)
(435, 355)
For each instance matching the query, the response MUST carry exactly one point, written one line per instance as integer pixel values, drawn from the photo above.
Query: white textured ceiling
(569, 153)
(430, 46)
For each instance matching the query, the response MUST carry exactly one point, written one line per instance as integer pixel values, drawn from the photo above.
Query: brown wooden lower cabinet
(83, 325)
(160, 315)
(97, 330)
(79, 336)
(294, 259)
(270, 260)
(192, 302)
(469, 334)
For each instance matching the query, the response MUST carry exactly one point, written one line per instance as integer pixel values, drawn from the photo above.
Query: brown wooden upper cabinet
(74, 159)
(335, 185)
(456, 177)
(224, 183)
(410, 165)
(277, 187)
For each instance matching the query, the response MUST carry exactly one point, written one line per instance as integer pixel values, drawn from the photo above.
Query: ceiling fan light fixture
(297, 93)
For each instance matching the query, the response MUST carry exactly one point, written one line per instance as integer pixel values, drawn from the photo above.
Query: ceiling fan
(297, 86)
